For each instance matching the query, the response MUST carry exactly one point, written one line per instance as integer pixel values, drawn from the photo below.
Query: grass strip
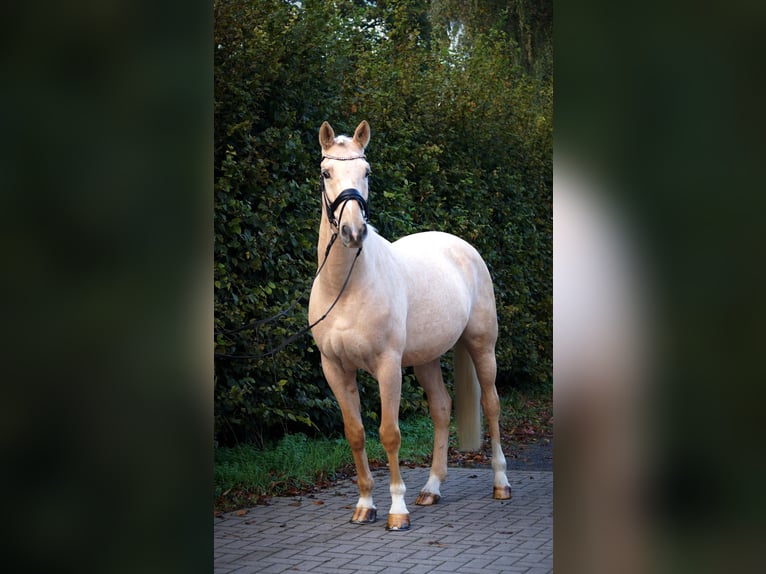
(244, 475)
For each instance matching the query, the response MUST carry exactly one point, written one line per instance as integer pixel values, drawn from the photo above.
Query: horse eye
(325, 174)
(367, 174)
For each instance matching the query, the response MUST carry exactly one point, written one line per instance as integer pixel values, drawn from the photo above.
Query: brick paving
(466, 532)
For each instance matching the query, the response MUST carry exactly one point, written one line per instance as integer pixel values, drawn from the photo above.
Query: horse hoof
(398, 522)
(364, 516)
(427, 498)
(502, 493)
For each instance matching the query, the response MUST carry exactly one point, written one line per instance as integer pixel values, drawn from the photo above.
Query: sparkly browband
(342, 158)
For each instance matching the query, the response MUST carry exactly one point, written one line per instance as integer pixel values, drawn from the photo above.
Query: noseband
(343, 197)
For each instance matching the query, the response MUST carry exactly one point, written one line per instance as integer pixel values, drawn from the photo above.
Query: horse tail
(467, 401)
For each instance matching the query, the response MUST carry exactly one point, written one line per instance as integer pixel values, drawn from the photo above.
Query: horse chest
(357, 339)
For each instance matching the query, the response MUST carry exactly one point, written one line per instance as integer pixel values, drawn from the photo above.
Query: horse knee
(390, 437)
(355, 437)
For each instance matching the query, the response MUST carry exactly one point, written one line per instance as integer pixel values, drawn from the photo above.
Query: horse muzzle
(353, 229)
(353, 235)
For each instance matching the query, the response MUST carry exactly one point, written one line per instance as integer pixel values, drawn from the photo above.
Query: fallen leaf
(240, 512)
(318, 502)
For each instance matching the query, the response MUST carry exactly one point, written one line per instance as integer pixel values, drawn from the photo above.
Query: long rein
(344, 197)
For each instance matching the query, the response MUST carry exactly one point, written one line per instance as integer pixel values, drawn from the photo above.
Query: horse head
(344, 182)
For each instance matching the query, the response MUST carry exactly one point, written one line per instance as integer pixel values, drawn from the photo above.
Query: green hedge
(461, 141)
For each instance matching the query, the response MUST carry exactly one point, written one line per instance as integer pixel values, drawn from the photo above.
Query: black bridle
(343, 197)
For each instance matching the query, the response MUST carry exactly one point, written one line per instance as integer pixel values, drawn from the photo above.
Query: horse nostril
(352, 235)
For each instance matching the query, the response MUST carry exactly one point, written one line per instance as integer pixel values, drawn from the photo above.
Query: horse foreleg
(389, 376)
(344, 387)
(440, 406)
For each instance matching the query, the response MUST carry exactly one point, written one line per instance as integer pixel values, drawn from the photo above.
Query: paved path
(466, 532)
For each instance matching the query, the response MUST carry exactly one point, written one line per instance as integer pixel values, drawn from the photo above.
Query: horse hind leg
(483, 356)
(439, 405)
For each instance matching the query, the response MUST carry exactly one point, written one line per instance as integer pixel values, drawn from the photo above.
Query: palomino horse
(401, 304)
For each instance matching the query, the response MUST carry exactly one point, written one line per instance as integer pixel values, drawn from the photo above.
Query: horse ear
(362, 134)
(326, 136)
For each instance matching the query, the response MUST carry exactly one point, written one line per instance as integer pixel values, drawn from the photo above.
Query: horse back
(448, 284)
(431, 255)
